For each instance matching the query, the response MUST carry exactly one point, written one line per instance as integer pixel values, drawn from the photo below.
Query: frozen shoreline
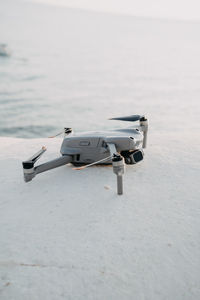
(67, 235)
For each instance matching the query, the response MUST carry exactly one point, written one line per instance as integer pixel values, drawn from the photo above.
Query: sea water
(76, 68)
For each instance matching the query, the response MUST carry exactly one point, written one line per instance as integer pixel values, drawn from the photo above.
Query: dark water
(75, 68)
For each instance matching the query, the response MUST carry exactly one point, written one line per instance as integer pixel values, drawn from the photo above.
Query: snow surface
(67, 235)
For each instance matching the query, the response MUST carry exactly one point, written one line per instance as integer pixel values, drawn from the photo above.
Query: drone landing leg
(118, 167)
(119, 185)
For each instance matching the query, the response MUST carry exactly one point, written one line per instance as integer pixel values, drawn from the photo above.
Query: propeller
(66, 131)
(28, 165)
(37, 155)
(131, 118)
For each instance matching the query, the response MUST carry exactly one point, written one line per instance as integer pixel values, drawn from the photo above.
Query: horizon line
(115, 13)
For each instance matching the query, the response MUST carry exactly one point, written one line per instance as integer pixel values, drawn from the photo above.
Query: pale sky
(176, 9)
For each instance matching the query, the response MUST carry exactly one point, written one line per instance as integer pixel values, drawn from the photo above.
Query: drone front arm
(55, 163)
(30, 171)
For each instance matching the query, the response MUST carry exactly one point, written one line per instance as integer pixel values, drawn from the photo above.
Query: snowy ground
(67, 235)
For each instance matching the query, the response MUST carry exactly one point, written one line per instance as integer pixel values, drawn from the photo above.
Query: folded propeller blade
(131, 118)
(53, 136)
(37, 155)
(65, 131)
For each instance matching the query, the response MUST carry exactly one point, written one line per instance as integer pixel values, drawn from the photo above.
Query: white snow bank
(67, 235)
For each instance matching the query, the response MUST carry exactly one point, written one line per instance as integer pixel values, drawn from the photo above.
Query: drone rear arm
(143, 125)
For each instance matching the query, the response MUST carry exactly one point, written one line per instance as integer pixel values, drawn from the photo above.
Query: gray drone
(91, 148)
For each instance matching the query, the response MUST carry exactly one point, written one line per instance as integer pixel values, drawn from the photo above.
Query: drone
(117, 147)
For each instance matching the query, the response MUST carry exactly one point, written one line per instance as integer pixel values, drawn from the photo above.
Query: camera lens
(137, 156)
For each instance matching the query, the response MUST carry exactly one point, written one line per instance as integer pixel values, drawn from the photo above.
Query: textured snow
(67, 235)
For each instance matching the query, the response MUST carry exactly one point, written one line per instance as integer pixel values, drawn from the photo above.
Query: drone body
(90, 148)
